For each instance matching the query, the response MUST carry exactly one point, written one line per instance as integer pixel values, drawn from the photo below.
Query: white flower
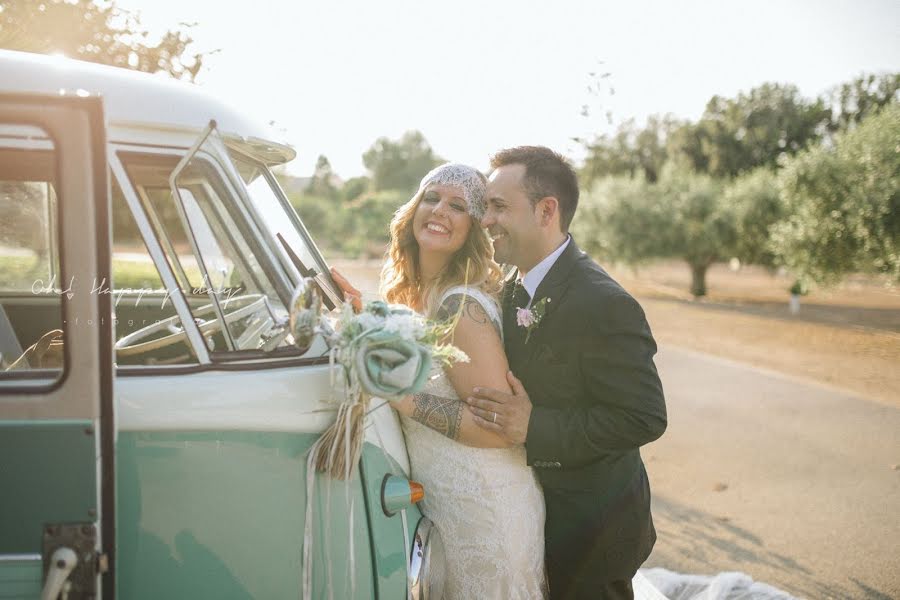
(369, 321)
(408, 326)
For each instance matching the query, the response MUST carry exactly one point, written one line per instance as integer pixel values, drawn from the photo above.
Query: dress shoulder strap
(487, 302)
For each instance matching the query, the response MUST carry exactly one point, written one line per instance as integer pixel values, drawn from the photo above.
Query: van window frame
(321, 265)
(282, 357)
(36, 380)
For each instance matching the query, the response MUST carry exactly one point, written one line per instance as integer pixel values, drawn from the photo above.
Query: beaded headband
(464, 177)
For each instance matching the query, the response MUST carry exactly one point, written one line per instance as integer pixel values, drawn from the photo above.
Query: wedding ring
(494, 418)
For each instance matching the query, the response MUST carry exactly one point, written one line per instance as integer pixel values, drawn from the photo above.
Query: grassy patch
(25, 273)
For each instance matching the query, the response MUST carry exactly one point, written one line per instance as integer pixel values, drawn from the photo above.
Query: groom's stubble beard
(500, 256)
(517, 250)
(505, 250)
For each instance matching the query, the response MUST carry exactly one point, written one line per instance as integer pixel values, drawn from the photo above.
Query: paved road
(796, 484)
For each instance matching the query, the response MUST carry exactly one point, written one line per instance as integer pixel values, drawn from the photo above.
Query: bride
(483, 498)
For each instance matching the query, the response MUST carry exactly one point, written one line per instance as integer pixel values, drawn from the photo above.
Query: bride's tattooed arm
(444, 415)
(468, 306)
(450, 416)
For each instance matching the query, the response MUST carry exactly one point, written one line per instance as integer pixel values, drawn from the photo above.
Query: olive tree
(736, 135)
(631, 150)
(853, 101)
(683, 215)
(757, 204)
(843, 202)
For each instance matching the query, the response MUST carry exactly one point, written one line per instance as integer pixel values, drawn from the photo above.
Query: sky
(477, 76)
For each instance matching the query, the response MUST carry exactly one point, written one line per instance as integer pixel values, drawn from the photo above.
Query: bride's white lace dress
(486, 503)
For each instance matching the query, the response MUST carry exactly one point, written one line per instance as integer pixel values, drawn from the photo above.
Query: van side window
(31, 289)
(220, 264)
(140, 300)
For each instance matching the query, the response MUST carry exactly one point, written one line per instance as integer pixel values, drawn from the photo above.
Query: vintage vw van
(155, 408)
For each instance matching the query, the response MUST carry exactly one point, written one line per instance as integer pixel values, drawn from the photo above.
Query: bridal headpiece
(464, 177)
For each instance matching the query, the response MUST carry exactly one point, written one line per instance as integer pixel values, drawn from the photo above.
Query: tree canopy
(322, 181)
(843, 203)
(96, 31)
(682, 215)
(399, 164)
(853, 101)
(631, 150)
(768, 176)
(736, 135)
(757, 204)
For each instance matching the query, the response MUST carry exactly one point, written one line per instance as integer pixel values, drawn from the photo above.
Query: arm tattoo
(470, 307)
(444, 415)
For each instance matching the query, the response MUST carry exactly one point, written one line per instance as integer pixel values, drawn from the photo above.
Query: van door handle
(61, 564)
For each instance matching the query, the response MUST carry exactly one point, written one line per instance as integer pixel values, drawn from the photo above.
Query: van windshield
(278, 217)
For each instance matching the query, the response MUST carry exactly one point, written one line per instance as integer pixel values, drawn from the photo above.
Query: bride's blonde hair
(472, 265)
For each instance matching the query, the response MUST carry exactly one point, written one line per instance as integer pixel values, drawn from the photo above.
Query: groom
(589, 395)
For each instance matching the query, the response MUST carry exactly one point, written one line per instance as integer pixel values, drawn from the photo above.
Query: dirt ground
(847, 336)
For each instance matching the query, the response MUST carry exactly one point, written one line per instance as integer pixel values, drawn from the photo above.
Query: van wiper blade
(328, 296)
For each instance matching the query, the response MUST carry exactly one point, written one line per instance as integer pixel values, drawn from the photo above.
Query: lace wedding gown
(486, 503)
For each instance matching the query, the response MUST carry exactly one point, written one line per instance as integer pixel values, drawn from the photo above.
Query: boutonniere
(530, 318)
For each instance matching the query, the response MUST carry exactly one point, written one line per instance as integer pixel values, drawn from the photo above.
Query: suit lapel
(557, 278)
(512, 333)
(553, 287)
(509, 285)
(506, 301)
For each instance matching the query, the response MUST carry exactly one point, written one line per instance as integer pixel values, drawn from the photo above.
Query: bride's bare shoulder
(470, 305)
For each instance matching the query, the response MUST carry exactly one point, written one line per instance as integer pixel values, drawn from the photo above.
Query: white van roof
(138, 100)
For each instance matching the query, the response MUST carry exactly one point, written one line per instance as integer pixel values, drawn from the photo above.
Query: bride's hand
(351, 294)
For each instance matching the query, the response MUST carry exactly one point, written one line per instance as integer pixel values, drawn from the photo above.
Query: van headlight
(427, 563)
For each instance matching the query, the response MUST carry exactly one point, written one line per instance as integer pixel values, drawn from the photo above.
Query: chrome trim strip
(20, 557)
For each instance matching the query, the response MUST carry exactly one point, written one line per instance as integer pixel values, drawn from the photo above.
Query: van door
(56, 388)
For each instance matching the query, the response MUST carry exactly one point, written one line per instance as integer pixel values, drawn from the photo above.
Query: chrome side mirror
(306, 312)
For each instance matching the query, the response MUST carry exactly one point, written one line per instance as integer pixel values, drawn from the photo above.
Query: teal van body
(156, 410)
(176, 490)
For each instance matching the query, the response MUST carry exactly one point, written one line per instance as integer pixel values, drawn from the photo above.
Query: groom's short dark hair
(546, 174)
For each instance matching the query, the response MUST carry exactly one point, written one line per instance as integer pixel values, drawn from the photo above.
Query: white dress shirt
(535, 276)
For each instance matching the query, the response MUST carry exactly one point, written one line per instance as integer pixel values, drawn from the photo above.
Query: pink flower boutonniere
(530, 318)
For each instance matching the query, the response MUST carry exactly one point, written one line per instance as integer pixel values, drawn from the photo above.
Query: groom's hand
(507, 414)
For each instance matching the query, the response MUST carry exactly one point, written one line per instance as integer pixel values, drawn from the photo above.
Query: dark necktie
(521, 297)
(516, 333)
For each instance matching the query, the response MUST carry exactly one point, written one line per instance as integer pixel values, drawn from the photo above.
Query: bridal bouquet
(386, 351)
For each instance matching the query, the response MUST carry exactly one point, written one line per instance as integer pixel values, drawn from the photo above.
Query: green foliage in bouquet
(386, 351)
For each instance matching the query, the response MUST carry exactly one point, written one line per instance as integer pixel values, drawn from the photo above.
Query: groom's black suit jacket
(588, 370)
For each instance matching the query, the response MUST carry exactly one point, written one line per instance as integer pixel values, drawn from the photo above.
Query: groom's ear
(548, 210)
